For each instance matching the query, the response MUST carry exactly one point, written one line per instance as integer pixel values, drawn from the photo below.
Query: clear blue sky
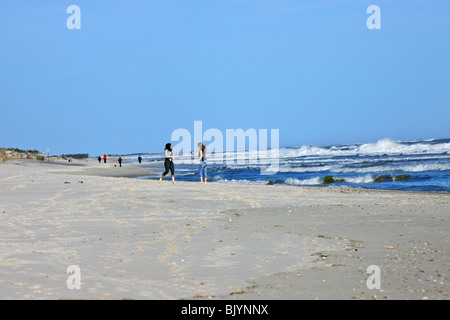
(137, 70)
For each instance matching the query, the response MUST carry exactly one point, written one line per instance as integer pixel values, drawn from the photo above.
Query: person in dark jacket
(168, 163)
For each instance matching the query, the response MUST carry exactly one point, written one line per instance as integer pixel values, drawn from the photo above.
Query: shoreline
(136, 170)
(141, 239)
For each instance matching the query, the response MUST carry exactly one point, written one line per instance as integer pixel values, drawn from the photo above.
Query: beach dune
(142, 239)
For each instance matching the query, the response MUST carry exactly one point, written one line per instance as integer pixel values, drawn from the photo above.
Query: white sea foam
(427, 167)
(318, 180)
(242, 181)
(365, 179)
(384, 146)
(300, 169)
(303, 182)
(401, 168)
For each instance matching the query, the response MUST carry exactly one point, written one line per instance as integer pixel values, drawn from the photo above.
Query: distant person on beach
(120, 161)
(140, 159)
(168, 163)
(202, 162)
(99, 159)
(104, 158)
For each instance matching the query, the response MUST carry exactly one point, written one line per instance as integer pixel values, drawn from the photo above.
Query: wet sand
(141, 239)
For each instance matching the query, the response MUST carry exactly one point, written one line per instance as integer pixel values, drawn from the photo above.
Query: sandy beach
(141, 239)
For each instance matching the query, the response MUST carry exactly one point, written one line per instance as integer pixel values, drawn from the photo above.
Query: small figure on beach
(168, 163)
(202, 162)
(104, 158)
(140, 159)
(120, 161)
(99, 159)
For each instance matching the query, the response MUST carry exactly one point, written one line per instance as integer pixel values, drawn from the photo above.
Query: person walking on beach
(140, 159)
(120, 161)
(168, 163)
(99, 159)
(202, 162)
(104, 158)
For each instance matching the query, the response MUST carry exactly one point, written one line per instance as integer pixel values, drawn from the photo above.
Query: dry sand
(141, 239)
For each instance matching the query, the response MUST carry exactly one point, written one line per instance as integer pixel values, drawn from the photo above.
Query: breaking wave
(381, 147)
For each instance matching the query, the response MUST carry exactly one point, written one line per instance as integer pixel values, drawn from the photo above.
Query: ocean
(421, 165)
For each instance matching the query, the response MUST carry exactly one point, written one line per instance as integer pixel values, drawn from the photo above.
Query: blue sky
(138, 70)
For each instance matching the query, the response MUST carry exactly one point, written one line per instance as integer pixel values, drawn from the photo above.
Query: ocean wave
(369, 168)
(367, 179)
(401, 168)
(381, 147)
